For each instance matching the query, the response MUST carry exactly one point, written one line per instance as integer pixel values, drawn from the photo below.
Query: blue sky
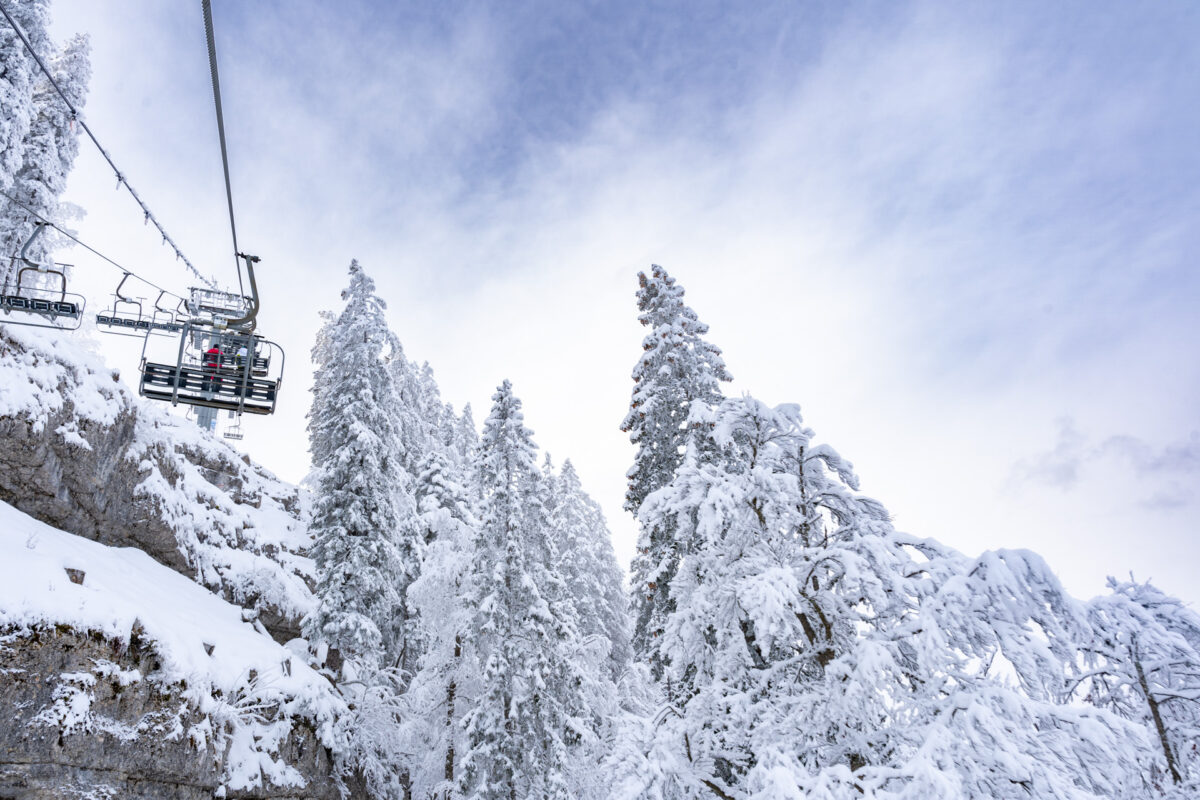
(962, 236)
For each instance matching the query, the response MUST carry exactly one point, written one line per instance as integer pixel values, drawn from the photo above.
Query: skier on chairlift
(212, 360)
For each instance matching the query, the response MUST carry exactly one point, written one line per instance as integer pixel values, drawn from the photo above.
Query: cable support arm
(249, 318)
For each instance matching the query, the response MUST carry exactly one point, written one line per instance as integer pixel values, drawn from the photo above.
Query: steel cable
(88, 247)
(216, 86)
(121, 181)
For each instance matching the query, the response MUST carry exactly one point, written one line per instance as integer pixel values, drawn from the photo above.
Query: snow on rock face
(82, 453)
(132, 678)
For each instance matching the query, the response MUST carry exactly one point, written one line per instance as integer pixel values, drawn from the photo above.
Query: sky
(961, 236)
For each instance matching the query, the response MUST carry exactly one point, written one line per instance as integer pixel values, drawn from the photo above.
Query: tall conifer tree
(357, 509)
(38, 137)
(446, 681)
(589, 568)
(521, 727)
(679, 372)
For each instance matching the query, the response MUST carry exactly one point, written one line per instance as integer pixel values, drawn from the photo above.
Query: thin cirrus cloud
(939, 227)
(1163, 473)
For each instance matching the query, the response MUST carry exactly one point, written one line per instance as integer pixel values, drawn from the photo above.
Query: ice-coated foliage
(16, 94)
(679, 372)
(678, 368)
(445, 682)
(1143, 662)
(38, 137)
(814, 651)
(418, 433)
(476, 575)
(462, 437)
(589, 569)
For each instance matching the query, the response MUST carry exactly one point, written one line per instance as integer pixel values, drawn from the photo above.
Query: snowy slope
(123, 589)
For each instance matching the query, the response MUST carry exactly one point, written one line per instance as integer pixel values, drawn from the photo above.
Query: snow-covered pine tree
(413, 430)
(430, 404)
(678, 371)
(590, 570)
(35, 169)
(521, 727)
(1144, 664)
(463, 437)
(549, 486)
(16, 93)
(445, 682)
(595, 590)
(678, 368)
(322, 353)
(814, 651)
(357, 510)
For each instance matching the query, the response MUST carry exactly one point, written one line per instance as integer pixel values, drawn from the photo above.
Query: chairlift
(213, 368)
(167, 320)
(128, 317)
(220, 362)
(235, 432)
(37, 306)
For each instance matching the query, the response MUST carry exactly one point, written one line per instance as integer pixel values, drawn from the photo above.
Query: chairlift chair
(128, 316)
(235, 432)
(36, 306)
(165, 321)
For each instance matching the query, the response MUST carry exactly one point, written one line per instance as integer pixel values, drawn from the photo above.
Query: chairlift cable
(216, 87)
(121, 180)
(88, 247)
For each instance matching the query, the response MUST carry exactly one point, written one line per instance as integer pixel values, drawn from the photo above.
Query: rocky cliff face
(82, 717)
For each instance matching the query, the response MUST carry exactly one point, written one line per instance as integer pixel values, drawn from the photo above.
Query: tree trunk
(450, 690)
(1154, 712)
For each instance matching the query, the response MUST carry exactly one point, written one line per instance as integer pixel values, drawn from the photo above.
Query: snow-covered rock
(123, 678)
(79, 451)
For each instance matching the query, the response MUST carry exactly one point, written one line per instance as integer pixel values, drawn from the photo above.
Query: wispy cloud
(1180, 458)
(1158, 475)
(1058, 467)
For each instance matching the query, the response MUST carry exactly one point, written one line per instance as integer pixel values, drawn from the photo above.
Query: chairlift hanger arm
(37, 231)
(120, 296)
(249, 318)
(210, 36)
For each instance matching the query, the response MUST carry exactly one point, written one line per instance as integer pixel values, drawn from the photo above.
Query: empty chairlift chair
(128, 317)
(24, 302)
